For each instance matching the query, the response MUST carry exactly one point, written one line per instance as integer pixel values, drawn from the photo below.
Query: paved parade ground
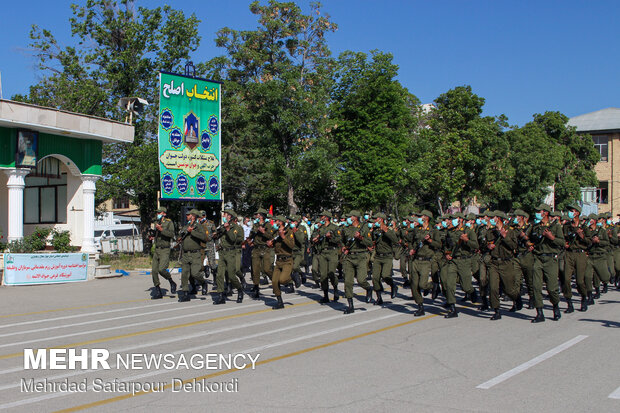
(307, 357)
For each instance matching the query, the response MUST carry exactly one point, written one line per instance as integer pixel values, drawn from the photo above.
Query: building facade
(604, 127)
(51, 161)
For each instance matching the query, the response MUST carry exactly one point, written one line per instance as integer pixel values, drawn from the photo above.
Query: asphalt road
(309, 357)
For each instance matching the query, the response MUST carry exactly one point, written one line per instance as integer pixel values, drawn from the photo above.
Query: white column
(88, 210)
(16, 185)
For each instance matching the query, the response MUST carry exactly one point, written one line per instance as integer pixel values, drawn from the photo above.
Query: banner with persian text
(26, 269)
(189, 138)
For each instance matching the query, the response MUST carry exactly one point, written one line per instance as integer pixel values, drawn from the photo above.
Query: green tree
(275, 106)
(119, 50)
(373, 114)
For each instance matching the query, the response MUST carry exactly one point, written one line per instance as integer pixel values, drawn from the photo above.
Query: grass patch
(126, 262)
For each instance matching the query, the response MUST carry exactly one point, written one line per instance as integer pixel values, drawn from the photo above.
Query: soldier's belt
(190, 251)
(501, 259)
(423, 258)
(357, 252)
(229, 249)
(575, 250)
(387, 254)
(284, 257)
(600, 254)
(547, 255)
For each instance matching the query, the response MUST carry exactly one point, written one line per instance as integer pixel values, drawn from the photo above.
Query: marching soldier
(426, 241)
(262, 254)
(502, 242)
(524, 261)
(599, 254)
(210, 229)
(315, 249)
(163, 233)
(283, 245)
(300, 235)
(358, 241)
(385, 238)
(231, 238)
(329, 239)
(459, 246)
(481, 259)
(192, 235)
(548, 240)
(577, 244)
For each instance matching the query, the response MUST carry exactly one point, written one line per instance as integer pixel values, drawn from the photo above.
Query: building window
(121, 203)
(602, 193)
(600, 143)
(588, 194)
(45, 199)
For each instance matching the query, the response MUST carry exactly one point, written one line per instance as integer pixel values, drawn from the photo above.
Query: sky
(522, 56)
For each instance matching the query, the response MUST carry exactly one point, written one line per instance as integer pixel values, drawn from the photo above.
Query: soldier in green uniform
(614, 237)
(548, 240)
(577, 244)
(315, 249)
(524, 260)
(481, 260)
(300, 235)
(598, 254)
(502, 242)
(329, 238)
(230, 257)
(262, 255)
(357, 241)
(192, 235)
(163, 233)
(210, 229)
(458, 249)
(283, 244)
(400, 251)
(425, 244)
(384, 238)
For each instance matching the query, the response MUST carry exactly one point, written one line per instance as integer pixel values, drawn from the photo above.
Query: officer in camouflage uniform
(192, 235)
(262, 255)
(329, 239)
(357, 242)
(384, 238)
(548, 240)
(230, 257)
(163, 230)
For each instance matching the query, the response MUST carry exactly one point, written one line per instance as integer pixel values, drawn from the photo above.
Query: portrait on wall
(27, 149)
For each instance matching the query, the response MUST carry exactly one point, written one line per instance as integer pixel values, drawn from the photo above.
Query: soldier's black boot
(192, 286)
(530, 303)
(590, 298)
(485, 303)
(303, 278)
(229, 290)
(349, 309)
(379, 300)
(597, 293)
(264, 280)
(368, 294)
(570, 307)
(393, 287)
(435, 291)
(280, 304)
(474, 296)
(220, 298)
(605, 288)
(207, 270)
(406, 283)
(465, 298)
(584, 304)
(296, 279)
(452, 313)
(540, 316)
(173, 286)
(183, 296)
(157, 294)
(255, 292)
(214, 272)
(325, 298)
(420, 311)
(336, 295)
(205, 288)
(240, 295)
(517, 305)
(556, 312)
(497, 315)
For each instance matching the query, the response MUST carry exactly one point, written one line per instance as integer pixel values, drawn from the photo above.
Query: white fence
(122, 244)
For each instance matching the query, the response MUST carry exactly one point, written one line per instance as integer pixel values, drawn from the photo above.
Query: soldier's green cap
(353, 213)
(601, 216)
(500, 214)
(194, 212)
(231, 213)
(489, 214)
(261, 211)
(459, 215)
(522, 213)
(575, 208)
(543, 207)
(592, 216)
(380, 215)
(565, 217)
(162, 209)
(470, 216)
(280, 218)
(327, 214)
(427, 213)
(607, 214)
(555, 214)
(295, 218)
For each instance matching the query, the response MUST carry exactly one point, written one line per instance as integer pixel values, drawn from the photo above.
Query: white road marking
(536, 360)
(615, 394)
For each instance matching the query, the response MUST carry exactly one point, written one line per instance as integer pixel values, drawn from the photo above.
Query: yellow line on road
(223, 372)
(158, 330)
